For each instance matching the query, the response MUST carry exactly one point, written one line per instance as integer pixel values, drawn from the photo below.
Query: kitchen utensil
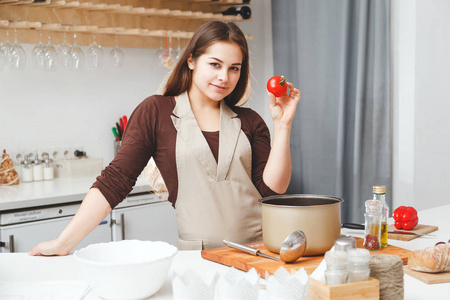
(361, 226)
(250, 250)
(292, 248)
(129, 269)
(317, 216)
(243, 261)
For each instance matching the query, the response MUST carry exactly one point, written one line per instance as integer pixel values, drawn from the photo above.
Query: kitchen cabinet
(135, 23)
(136, 218)
(143, 216)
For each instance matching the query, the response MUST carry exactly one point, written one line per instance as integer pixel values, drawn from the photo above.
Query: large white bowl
(129, 269)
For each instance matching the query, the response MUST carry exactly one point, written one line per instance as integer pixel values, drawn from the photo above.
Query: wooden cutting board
(245, 261)
(428, 278)
(420, 228)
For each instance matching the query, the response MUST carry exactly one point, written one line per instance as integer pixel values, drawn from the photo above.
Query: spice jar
(372, 228)
(358, 265)
(48, 169)
(336, 272)
(27, 170)
(38, 170)
(344, 243)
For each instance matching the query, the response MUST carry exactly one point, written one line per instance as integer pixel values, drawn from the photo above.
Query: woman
(214, 156)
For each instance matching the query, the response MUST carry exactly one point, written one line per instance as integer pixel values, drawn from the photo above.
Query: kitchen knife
(125, 121)
(361, 226)
(114, 130)
(119, 131)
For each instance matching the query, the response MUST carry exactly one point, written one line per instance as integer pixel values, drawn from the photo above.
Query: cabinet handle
(11, 244)
(122, 220)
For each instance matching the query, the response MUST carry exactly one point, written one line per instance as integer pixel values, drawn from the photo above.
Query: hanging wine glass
(76, 55)
(179, 51)
(166, 59)
(6, 47)
(117, 56)
(95, 55)
(37, 54)
(160, 52)
(51, 57)
(18, 56)
(63, 51)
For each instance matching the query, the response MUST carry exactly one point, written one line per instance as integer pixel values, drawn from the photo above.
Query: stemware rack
(136, 23)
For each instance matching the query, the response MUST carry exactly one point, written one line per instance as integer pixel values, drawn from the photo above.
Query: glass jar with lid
(27, 170)
(358, 265)
(336, 272)
(48, 169)
(372, 227)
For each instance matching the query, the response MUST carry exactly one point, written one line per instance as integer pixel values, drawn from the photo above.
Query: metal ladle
(292, 248)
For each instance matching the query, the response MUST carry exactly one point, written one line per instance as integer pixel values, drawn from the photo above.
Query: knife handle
(242, 247)
(353, 226)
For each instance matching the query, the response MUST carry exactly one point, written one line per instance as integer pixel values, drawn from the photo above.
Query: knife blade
(361, 226)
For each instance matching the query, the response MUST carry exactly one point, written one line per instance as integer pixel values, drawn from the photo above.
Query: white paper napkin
(285, 286)
(192, 286)
(49, 290)
(235, 284)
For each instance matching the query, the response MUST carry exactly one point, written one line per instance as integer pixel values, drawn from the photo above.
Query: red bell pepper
(405, 217)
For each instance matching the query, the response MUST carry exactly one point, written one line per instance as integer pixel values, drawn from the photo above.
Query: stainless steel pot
(319, 217)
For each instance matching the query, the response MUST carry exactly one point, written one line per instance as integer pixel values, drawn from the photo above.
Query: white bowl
(129, 269)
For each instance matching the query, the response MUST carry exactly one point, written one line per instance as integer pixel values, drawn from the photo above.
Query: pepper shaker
(372, 227)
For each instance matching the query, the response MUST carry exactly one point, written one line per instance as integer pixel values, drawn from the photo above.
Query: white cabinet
(143, 216)
(154, 222)
(23, 237)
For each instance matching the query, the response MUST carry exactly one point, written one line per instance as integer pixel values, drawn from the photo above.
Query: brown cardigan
(150, 133)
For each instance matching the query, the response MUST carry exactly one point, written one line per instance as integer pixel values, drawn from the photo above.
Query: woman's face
(216, 72)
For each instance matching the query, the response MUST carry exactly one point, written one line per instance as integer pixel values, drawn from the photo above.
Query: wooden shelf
(136, 23)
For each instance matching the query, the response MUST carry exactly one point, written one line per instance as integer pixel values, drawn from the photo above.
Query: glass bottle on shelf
(372, 227)
(379, 193)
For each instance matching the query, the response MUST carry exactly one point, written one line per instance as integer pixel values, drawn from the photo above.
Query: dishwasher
(23, 229)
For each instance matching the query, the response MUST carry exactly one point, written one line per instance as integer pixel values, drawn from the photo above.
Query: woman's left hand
(282, 109)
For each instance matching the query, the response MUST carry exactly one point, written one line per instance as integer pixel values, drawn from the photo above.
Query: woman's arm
(277, 173)
(92, 212)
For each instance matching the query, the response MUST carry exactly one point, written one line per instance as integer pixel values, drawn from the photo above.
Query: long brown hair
(180, 79)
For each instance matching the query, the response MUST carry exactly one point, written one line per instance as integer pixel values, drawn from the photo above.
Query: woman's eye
(235, 68)
(214, 64)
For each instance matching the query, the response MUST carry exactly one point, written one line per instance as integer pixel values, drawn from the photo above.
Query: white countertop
(19, 267)
(57, 191)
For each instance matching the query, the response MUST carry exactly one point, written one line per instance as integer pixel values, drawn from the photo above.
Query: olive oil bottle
(379, 193)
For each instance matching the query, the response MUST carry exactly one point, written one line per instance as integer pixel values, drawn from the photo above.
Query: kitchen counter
(19, 267)
(57, 191)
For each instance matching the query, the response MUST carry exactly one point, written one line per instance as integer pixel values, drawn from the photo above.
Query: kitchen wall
(42, 110)
(421, 127)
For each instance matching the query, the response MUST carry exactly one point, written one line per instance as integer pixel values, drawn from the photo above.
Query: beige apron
(215, 201)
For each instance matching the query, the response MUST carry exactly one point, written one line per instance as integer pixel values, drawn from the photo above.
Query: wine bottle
(244, 11)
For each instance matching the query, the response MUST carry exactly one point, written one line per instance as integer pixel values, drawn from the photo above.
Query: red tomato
(277, 86)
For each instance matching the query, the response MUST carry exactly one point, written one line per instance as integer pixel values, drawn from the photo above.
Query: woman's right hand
(48, 248)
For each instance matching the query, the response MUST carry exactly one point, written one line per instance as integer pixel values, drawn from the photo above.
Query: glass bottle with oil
(379, 193)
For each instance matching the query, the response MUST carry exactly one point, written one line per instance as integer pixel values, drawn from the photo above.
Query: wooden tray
(245, 261)
(420, 228)
(428, 278)
(367, 290)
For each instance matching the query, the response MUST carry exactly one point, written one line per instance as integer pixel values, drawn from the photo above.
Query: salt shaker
(336, 272)
(358, 265)
(344, 243)
(372, 227)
